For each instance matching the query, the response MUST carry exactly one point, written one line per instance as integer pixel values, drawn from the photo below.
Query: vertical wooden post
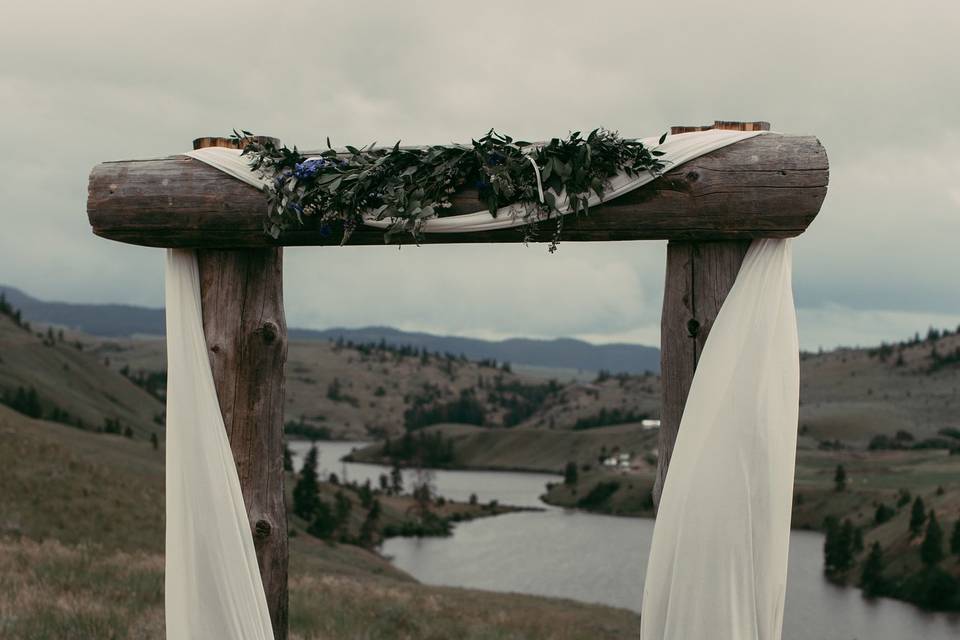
(699, 276)
(246, 334)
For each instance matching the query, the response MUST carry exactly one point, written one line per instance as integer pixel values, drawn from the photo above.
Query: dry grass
(81, 536)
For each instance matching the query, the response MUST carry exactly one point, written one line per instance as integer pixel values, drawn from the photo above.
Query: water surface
(602, 559)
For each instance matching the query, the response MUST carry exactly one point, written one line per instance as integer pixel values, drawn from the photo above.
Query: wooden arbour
(708, 209)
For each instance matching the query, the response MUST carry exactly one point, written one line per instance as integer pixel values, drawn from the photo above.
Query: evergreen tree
(368, 530)
(931, 551)
(840, 478)
(857, 540)
(306, 493)
(324, 523)
(366, 494)
(871, 580)
(396, 479)
(838, 545)
(570, 473)
(883, 513)
(343, 508)
(955, 539)
(287, 458)
(918, 515)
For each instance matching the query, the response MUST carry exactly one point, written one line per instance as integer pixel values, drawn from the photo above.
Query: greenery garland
(414, 184)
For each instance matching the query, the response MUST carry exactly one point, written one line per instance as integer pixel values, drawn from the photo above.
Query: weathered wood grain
(699, 276)
(246, 335)
(768, 186)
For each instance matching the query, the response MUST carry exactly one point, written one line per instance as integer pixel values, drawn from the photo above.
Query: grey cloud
(86, 82)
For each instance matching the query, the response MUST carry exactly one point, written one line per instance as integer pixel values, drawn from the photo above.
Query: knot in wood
(693, 176)
(269, 331)
(693, 327)
(262, 530)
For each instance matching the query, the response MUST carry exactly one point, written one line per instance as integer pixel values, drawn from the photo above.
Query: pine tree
(955, 539)
(343, 508)
(918, 515)
(570, 473)
(368, 530)
(931, 551)
(287, 458)
(306, 493)
(324, 523)
(871, 580)
(396, 479)
(840, 478)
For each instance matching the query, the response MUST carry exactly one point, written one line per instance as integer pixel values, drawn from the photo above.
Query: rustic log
(699, 276)
(246, 335)
(768, 186)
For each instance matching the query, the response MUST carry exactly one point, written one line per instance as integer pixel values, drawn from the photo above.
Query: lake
(602, 559)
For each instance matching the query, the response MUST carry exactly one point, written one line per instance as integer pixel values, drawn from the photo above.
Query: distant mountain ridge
(115, 320)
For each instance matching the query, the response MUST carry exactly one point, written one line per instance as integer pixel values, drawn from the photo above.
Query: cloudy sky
(85, 82)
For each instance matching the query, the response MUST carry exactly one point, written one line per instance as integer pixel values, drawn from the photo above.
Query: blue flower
(494, 159)
(325, 230)
(296, 207)
(308, 168)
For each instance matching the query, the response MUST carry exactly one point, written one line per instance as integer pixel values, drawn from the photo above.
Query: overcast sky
(84, 82)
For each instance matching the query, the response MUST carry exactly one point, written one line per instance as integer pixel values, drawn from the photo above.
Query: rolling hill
(47, 375)
(124, 321)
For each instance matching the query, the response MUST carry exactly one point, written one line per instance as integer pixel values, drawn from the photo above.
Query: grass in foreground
(81, 534)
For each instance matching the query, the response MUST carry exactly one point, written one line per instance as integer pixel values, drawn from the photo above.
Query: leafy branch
(410, 185)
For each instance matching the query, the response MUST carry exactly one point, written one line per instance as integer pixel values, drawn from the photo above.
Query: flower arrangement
(410, 185)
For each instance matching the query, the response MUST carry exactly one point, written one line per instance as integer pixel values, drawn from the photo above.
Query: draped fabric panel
(212, 584)
(677, 149)
(718, 561)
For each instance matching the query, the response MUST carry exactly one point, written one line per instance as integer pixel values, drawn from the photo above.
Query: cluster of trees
(937, 360)
(399, 352)
(931, 586)
(27, 401)
(608, 417)
(598, 495)
(14, 314)
(153, 382)
(331, 521)
(423, 412)
(521, 400)
(335, 392)
(421, 449)
(905, 440)
(301, 429)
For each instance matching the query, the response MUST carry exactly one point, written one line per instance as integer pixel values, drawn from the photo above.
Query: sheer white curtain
(212, 583)
(718, 562)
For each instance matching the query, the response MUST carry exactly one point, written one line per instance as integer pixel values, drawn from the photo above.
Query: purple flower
(308, 168)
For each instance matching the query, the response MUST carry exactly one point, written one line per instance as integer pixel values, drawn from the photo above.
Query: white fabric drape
(677, 149)
(212, 582)
(718, 561)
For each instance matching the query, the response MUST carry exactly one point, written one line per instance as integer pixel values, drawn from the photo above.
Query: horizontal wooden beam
(768, 186)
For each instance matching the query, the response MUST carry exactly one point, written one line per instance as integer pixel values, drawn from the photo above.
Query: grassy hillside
(71, 384)
(81, 557)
